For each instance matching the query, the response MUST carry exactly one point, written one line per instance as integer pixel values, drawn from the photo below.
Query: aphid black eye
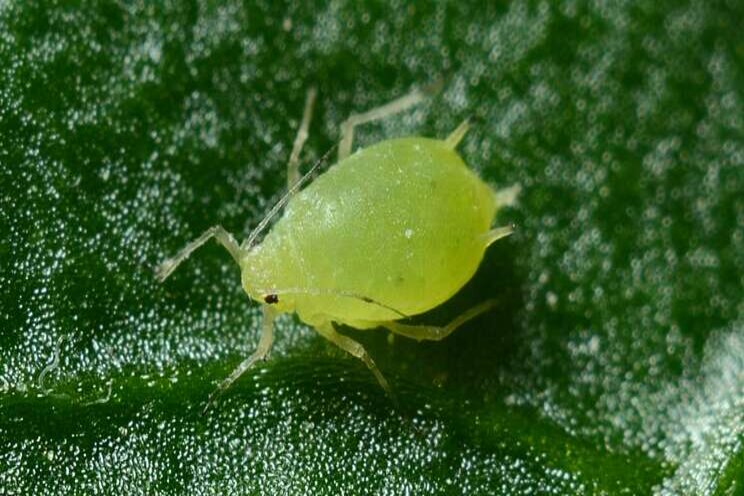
(271, 299)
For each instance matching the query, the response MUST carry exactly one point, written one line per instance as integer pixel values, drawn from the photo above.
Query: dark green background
(614, 363)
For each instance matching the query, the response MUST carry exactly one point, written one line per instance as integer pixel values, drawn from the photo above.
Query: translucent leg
(352, 347)
(223, 237)
(377, 113)
(262, 350)
(293, 167)
(435, 333)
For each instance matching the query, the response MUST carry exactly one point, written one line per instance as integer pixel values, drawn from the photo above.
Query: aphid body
(390, 231)
(403, 222)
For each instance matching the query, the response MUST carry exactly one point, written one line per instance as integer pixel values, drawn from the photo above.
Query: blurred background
(614, 363)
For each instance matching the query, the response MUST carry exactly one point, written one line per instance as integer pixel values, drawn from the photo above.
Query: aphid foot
(264, 346)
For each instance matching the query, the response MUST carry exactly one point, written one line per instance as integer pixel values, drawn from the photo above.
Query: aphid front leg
(354, 348)
(435, 333)
(223, 237)
(293, 167)
(377, 113)
(262, 350)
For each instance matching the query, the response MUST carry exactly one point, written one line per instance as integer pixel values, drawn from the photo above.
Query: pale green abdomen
(402, 223)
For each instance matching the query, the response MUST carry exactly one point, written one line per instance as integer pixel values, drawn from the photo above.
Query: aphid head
(263, 269)
(260, 264)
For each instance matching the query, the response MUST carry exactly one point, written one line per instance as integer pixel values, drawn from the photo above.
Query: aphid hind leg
(262, 350)
(377, 113)
(293, 166)
(218, 232)
(435, 333)
(353, 348)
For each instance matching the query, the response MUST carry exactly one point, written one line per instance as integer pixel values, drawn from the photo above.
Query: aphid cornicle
(390, 231)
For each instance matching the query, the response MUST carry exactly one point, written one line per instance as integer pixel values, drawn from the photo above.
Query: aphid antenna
(250, 241)
(332, 292)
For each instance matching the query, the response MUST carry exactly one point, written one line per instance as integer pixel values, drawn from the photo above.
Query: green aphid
(390, 231)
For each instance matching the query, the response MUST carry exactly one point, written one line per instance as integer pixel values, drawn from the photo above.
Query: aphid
(390, 231)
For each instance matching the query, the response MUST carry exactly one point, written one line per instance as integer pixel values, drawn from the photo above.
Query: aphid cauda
(390, 231)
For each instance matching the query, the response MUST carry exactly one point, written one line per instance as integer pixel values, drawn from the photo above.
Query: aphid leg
(262, 350)
(457, 135)
(507, 197)
(352, 347)
(377, 113)
(226, 239)
(497, 233)
(293, 167)
(435, 333)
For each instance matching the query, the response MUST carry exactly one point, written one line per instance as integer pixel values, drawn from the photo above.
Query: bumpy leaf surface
(614, 363)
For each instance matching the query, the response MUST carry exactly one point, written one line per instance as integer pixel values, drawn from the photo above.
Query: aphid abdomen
(401, 222)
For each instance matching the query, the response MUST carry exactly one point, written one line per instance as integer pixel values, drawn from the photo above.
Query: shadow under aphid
(472, 357)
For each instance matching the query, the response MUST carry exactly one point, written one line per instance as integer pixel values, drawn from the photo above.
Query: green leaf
(614, 363)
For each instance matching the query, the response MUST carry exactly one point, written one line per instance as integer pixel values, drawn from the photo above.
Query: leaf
(614, 363)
